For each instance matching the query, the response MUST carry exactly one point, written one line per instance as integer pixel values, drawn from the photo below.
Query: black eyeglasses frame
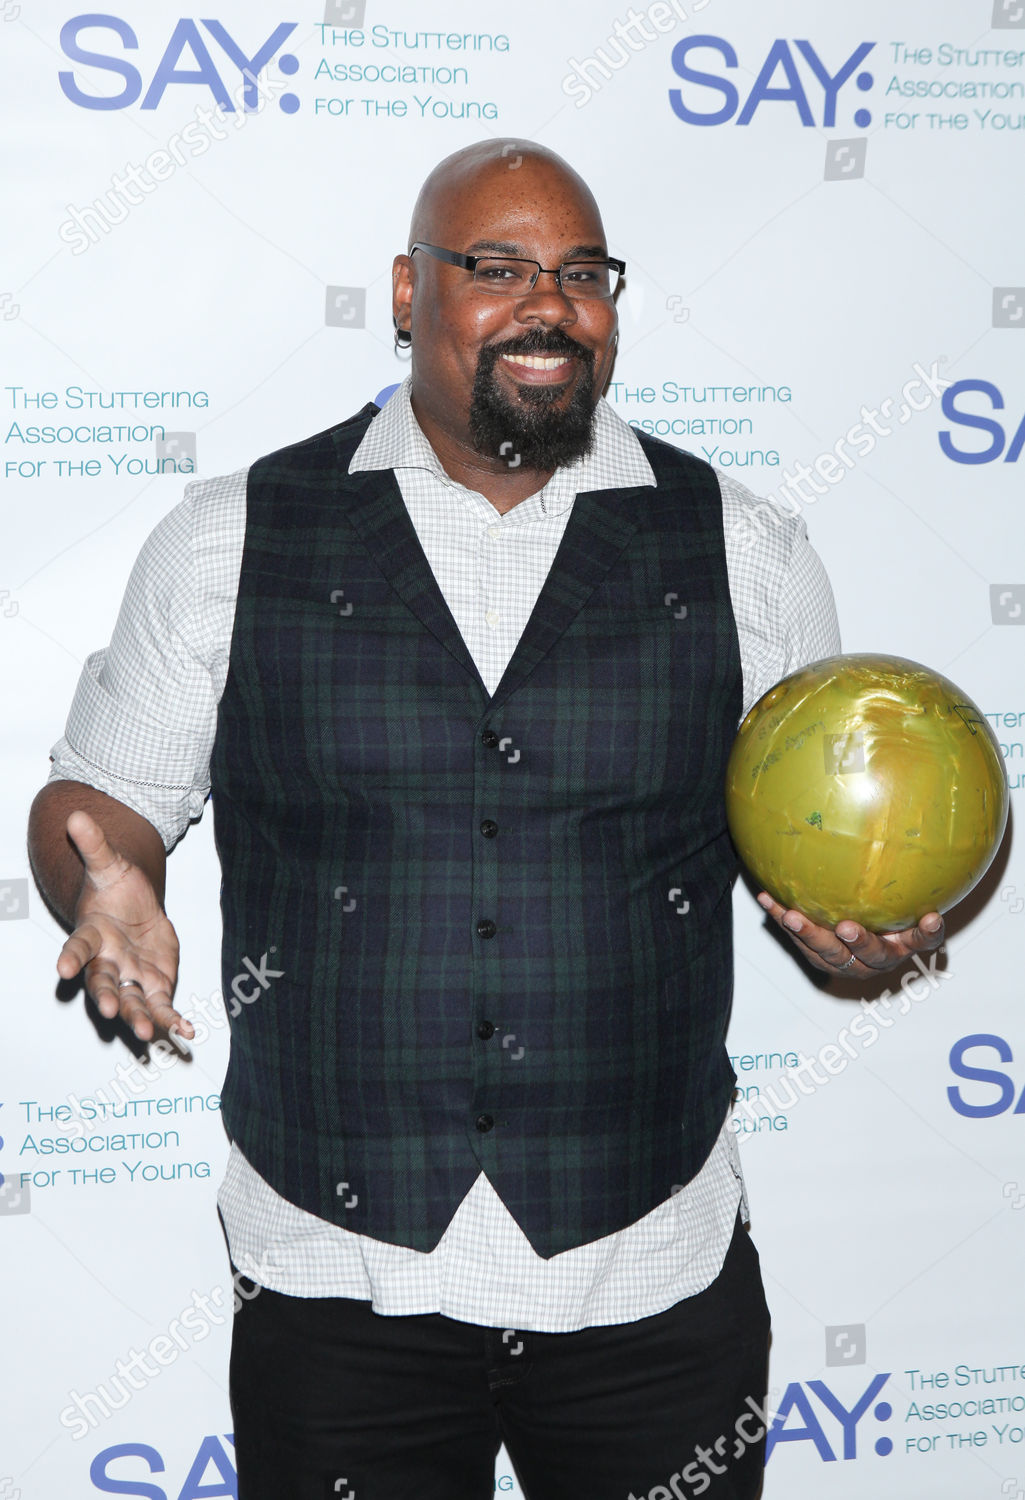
(471, 262)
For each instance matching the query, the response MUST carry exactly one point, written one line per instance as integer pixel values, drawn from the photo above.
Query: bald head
(494, 172)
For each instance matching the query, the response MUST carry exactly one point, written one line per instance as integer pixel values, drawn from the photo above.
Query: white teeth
(537, 361)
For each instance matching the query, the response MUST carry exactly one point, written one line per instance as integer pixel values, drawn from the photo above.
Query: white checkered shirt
(142, 726)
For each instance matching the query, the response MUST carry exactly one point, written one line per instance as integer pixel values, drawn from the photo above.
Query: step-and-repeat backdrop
(821, 210)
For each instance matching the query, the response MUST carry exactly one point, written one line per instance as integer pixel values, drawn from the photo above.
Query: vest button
(486, 1030)
(486, 928)
(489, 738)
(484, 1123)
(489, 828)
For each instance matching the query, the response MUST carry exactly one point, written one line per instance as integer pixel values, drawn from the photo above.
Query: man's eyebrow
(497, 247)
(504, 247)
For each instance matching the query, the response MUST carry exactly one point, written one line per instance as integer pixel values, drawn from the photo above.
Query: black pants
(331, 1399)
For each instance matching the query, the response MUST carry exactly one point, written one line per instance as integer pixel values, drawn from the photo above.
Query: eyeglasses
(507, 276)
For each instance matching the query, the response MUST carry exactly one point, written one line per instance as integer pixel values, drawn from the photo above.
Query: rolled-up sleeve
(143, 718)
(782, 600)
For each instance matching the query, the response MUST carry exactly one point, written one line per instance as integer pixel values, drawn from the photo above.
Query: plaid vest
(463, 932)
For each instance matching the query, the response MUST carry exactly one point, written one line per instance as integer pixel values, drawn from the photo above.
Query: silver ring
(852, 960)
(123, 984)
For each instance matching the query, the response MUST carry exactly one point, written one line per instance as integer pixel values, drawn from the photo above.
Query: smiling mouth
(539, 369)
(539, 361)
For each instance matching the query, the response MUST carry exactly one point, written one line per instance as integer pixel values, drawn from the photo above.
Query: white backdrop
(821, 210)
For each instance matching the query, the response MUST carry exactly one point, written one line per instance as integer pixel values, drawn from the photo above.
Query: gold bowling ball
(866, 787)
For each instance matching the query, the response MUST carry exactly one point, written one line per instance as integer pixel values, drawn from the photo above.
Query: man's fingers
(135, 1011)
(832, 950)
(150, 1008)
(104, 987)
(145, 1010)
(884, 950)
(82, 946)
(927, 935)
(867, 946)
(822, 946)
(818, 944)
(123, 983)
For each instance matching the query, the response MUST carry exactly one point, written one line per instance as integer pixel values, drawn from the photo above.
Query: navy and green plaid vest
(464, 932)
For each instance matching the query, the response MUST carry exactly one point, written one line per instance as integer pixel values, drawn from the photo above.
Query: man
(463, 675)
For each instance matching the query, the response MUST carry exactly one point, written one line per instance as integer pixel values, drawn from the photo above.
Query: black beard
(527, 430)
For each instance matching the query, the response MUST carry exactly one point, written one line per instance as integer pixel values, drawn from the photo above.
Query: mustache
(543, 341)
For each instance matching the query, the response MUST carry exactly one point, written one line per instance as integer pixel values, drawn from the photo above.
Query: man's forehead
(496, 214)
(506, 199)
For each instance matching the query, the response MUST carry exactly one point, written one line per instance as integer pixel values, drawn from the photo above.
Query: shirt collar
(395, 440)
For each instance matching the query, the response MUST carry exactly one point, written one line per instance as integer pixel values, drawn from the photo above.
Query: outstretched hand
(849, 949)
(123, 942)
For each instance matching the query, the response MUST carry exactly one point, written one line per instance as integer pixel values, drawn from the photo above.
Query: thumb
(91, 842)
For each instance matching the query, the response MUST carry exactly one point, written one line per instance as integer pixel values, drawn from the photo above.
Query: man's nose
(546, 302)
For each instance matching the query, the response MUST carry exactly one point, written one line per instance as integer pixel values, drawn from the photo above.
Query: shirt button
(486, 928)
(492, 617)
(489, 828)
(489, 738)
(484, 1123)
(486, 1030)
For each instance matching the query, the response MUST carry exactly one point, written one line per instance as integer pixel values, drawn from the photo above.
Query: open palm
(123, 941)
